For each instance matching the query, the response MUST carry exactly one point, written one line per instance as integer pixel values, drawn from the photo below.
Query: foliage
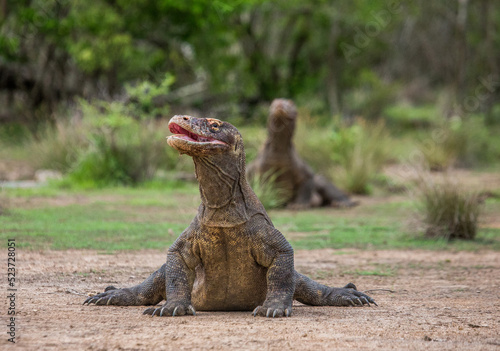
(121, 150)
(351, 154)
(370, 96)
(361, 150)
(14, 133)
(113, 143)
(462, 142)
(58, 147)
(268, 190)
(450, 210)
(411, 117)
(145, 98)
(349, 57)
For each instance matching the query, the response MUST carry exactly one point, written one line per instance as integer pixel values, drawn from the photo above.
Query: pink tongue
(176, 129)
(185, 137)
(189, 136)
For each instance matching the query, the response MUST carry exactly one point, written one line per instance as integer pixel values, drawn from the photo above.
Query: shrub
(361, 151)
(449, 210)
(58, 146)
(114, 143)
(146, 98)
(121, 149)
(268, 191)
(459, 142)
(351, 155)
(370, 97)
(411, 117)
(315, 142)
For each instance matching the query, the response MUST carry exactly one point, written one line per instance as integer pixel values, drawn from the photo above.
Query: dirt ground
(427, 300)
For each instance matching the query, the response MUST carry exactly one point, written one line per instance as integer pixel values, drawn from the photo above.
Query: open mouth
(184, 134)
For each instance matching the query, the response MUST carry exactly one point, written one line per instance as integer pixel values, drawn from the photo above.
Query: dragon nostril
(185, 118)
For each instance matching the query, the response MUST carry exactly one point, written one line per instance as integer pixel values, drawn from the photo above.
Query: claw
(109, 300)
(288, 312)
(175, 310)
(351, 302)
(191, 309)
(365, 301)
(256, 309)
(268, 313)
(350, 286)
(99, 299)
(161, 311)
(358, 301)
(373, 302)
(154, 312)
(275, 313)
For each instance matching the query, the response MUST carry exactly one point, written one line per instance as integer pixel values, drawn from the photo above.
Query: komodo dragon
(231, 257)
(301, 187)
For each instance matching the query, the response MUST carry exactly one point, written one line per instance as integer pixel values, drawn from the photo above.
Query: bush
(114, 143)
(449, 210)
(459, 142)
(13, 133)
(121, 149)
(268, 191)
(146, 98)
(58, 146)
(370, 97)
(411, 117)
(361, 150)
(351, 155)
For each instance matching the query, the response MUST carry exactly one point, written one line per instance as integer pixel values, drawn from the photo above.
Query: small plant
(121, 150)
(146, 98)
(57, 146)
(268, 190)
(357, 151)
(361, 151)
(407, 117)
(458, 142)
(449, 210)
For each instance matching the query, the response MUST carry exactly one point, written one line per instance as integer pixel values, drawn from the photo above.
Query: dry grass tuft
(450, 211)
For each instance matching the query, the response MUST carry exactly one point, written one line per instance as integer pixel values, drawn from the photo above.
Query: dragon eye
(214, 126)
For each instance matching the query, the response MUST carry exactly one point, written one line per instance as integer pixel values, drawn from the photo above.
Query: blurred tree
(350, 57)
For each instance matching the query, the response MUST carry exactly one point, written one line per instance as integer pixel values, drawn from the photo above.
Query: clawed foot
(113, 296)
(348, 296)
(170, 309)
(273, 310)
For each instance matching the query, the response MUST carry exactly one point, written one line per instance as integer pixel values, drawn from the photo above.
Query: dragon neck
(221, 179)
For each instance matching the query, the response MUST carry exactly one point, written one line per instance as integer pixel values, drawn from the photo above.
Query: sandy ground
(437, 301)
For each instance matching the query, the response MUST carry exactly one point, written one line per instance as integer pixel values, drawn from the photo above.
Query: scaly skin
(302, 187)
(231, 257)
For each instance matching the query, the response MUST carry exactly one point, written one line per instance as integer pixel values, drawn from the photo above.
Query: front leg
(313, 293)
(272, 250)
(149, 292)
(178, 285)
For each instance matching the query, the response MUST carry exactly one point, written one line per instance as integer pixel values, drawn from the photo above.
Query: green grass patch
(126, 218)
(375, 272)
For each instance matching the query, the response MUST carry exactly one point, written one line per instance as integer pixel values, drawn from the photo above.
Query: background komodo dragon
(301, 187)
(230, 258)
